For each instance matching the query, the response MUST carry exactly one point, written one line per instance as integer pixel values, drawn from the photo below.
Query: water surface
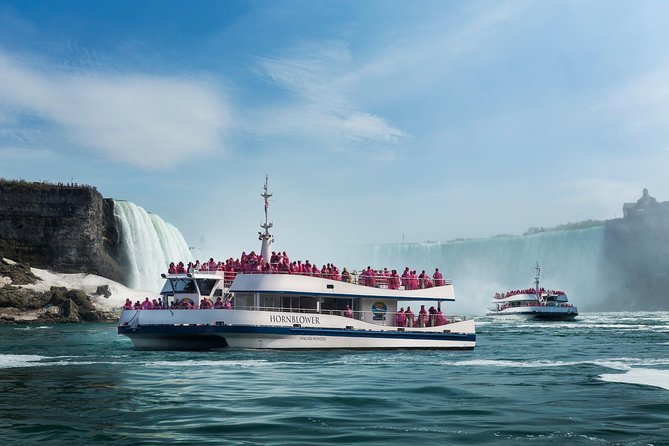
(603, 379)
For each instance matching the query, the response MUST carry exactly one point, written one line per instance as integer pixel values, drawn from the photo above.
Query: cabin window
(308, 303)
(290, 303)
(205, 286)
(297, 303)
(270, 302)
(243, 301)
(183, 285)
(335, 306)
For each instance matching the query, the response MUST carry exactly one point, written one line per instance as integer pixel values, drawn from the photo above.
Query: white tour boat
(534, 303)
(278, 310)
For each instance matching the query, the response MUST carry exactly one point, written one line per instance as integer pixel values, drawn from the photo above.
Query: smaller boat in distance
(534, 303)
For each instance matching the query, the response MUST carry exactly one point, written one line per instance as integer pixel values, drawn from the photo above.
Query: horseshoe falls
(149, 244)
(571, 260)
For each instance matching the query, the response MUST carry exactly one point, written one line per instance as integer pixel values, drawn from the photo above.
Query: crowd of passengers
(280, 263)
(426, 318)
(406, 318)
(183, 304)
(527, 291)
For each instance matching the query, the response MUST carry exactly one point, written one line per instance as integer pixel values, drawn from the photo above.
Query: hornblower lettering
(282, 319)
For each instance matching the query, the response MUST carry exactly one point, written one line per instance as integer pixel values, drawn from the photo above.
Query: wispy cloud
(142, 120)
(641, 104)
(603, 196)
(320, 108)
(424, 52)
(333, 89)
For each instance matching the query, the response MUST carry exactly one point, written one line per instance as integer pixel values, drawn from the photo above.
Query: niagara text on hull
(265, 305)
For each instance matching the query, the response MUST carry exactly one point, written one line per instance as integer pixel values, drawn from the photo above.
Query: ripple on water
(593, 381)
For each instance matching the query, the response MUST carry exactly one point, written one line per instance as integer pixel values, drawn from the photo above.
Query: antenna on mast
(536, 281)
(266, 237)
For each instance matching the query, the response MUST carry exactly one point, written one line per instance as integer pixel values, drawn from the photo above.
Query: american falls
(149, 245)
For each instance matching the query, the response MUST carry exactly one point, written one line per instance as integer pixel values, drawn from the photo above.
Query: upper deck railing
(375, 281)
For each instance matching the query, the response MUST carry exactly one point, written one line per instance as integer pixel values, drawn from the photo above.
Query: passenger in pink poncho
(405, 278)
(410, 317)
(401, 318)
(422, 317)
(394, 281)
(370, 277)
(439, 318)
(438, 278)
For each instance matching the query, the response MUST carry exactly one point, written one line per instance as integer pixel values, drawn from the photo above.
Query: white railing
(376, 281)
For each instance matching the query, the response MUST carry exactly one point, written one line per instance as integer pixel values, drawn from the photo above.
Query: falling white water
(150, 244)
(570, 260)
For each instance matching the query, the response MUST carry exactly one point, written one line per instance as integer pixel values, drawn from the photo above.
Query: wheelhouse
(192, 288)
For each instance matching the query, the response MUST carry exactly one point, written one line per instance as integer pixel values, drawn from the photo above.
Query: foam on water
(215, 363)
(13, 361)
(611, 363)
(644, 377)
(8, 361)
(42, 327)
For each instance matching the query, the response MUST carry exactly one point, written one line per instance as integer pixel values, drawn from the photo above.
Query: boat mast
(536, 282)
(266, 237)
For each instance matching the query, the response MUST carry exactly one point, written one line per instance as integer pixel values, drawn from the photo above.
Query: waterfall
(570, 260)
(150, 244)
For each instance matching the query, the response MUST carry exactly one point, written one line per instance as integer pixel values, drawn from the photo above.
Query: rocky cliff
(636, 253)
(65, 228)
(25, 299)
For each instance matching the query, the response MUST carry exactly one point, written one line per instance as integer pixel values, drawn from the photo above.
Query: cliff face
(62, 228)
(636, 250)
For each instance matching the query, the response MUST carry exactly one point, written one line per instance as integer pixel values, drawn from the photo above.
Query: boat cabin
(191, 288)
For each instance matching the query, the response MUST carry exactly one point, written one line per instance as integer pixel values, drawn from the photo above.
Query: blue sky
(375, 120)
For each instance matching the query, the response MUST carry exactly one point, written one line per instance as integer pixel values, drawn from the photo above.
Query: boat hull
(537, 314)
(240, 329)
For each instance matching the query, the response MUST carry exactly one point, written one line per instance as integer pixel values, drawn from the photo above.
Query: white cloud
(604, 196)
(142, 120)
(321, 109)
(332, 90)
(641, 105)
(434, 46)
